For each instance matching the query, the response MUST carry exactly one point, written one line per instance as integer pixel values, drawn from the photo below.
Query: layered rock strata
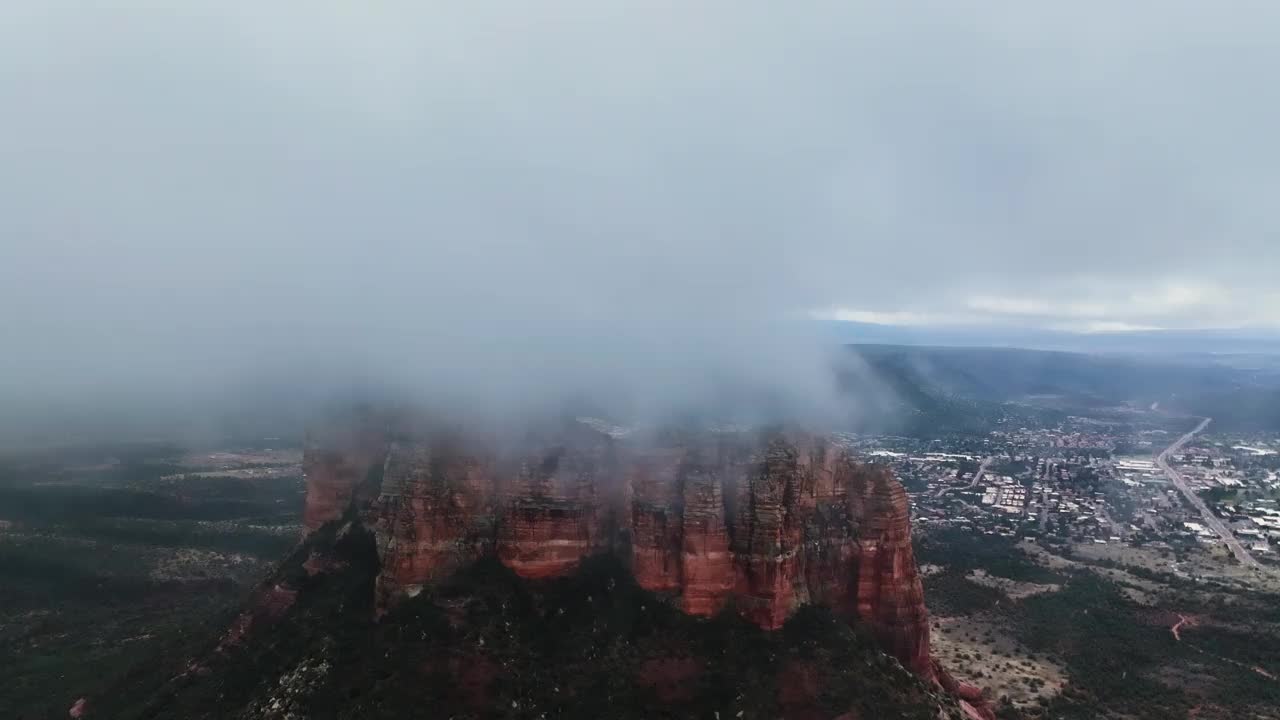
(764, 524)
(336, 462)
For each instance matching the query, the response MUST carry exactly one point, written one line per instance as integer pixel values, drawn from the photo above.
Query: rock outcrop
(433, 514)
(764, 524)
(335, 463)
(549, 512)
(707, 570)
(889, 593)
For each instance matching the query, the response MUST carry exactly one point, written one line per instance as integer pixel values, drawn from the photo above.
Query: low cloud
(495, 197)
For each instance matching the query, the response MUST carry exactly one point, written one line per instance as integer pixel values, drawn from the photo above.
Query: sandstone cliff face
(335, 463)
(766, 524)
(433, 514)
(654, 487)
(707, 572)
(890, 595)
(549, 515)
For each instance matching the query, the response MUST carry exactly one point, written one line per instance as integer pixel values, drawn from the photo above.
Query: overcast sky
(255, 182)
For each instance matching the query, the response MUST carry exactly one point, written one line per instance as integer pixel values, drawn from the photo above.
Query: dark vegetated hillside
(943, 383)
(894, 395)
(964, 551)
(1243, 409)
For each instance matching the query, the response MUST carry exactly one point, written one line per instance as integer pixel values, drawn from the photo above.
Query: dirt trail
(1182, 620)
(1191, 621)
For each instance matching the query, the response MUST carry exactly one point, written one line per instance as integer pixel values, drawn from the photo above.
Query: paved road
(1210, 520)
(1044, 496)
(982, 469)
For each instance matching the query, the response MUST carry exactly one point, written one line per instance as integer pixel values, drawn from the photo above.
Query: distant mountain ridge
(1153, 342)
(935, 387)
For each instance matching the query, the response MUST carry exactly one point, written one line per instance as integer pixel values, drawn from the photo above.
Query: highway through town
(977, 477)
(1044, 496)
(1210, 520)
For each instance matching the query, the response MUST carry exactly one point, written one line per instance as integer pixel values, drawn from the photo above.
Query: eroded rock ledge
(763, 523)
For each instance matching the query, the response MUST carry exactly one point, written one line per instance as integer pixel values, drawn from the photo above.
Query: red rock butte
(762, 523)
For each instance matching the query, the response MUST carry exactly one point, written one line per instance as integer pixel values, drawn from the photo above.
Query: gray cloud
(524, 192)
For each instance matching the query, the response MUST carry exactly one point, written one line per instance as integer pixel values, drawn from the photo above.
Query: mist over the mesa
(219, 206)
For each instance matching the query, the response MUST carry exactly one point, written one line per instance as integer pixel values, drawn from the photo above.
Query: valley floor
(1093, 631)
(108, 558)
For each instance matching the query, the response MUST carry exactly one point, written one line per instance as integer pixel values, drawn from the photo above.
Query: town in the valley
(1176, 486)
